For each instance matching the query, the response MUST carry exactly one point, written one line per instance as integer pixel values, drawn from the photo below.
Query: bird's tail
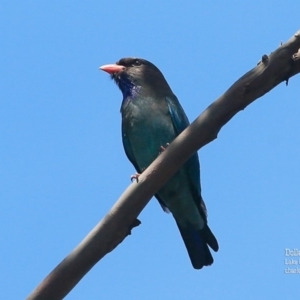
(196, 243)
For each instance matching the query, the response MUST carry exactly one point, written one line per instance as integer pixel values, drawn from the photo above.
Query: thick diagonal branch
(279, 66)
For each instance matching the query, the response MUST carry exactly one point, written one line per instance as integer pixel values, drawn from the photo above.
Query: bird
(152, 118)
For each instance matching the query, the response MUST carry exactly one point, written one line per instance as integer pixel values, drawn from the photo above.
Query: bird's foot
(135, 177)
(163, 148)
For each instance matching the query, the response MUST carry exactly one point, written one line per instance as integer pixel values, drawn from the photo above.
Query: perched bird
(152, 117)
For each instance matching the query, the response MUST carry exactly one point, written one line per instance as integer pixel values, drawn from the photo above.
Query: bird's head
(136, 75)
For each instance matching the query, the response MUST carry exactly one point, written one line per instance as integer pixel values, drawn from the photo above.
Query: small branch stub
(265, 58)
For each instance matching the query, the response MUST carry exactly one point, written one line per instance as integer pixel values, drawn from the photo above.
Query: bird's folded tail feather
(209, 238)
(196, 243)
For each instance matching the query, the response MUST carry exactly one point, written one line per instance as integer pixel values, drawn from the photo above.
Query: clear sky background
(62, 164)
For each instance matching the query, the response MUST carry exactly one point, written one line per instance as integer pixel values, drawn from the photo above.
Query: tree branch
(279, 66)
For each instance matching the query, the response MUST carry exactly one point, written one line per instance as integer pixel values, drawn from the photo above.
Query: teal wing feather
(180, 122)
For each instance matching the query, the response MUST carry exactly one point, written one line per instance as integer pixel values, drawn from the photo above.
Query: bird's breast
(148, 126)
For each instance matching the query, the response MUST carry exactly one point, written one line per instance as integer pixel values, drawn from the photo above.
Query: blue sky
(62, 164)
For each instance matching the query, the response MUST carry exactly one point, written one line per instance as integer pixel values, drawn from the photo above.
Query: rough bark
(273, 69)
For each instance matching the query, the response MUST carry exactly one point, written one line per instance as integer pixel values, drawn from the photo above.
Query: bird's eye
(136, 63)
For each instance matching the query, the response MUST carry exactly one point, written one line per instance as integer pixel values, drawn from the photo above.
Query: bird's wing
(180, 122)
(178, 117)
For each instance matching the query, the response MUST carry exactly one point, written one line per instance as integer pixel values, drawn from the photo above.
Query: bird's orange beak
(111, 69)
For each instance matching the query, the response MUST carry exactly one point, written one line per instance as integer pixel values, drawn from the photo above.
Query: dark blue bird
(152, 117)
